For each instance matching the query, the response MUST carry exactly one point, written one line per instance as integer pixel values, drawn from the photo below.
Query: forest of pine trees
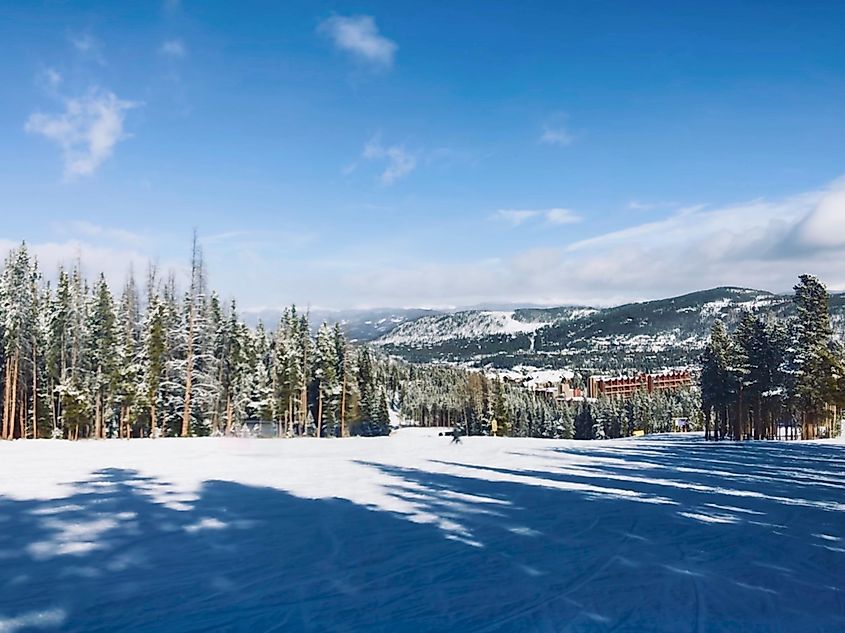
(477, 404)
(773, 378)
(77, 362)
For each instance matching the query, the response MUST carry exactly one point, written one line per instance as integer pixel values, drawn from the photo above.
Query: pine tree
(328, 384)
(716, 381)
(128, 394)
(101, 352)
(154, 359)
(816, 369)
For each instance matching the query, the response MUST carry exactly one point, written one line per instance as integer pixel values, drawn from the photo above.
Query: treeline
(77, 362)
(775, 378)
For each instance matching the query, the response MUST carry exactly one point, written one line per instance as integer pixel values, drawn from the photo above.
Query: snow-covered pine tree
(128, 392)
(20, 331)
(328, 383)
(154, 355)
(101, 352)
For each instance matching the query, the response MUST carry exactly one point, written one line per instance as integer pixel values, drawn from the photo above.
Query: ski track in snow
(410, 533)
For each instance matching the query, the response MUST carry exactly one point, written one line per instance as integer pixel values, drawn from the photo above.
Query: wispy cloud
(174, 48)
(49, 79)
(359, 36)
(761, 244)
(87, 46)
(562, 216)
(556, 131)
(517, 217)
(252, 240)
(823, 229)
(514, 217)
(86, 132)
(399, 161)
(639, 205)
(98, 232)
(636, 205)
(84, 42)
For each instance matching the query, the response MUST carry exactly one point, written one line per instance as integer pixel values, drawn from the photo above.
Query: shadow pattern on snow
(592, 543)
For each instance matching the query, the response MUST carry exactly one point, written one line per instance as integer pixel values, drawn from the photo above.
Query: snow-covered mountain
(646, 335)
(652, 334)
(476, 324)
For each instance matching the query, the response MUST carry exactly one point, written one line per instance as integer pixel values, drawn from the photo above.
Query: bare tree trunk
(34, 393)
(290, 414)
(6, 398)
(229, 414)
(14, 393)
(343, 431)
(320, 414)
(186, 412)
(189, 355)
(303, 394)
(98, 420)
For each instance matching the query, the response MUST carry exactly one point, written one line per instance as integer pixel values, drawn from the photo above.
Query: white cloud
(360, 37)
(174, 48)
(113, 261)
(562, 216)
(635, 205)
(84, 42)
(762, 244)
(86, 132)
(516, 217)
(87, 46)
(556, 136)
(556, 131)
(100, 233)
(638, 205)
(400, 162)
(824, 227)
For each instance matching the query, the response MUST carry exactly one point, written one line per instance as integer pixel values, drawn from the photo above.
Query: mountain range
(646, 335)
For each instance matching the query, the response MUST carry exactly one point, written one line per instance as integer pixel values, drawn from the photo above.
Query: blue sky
(439, 153)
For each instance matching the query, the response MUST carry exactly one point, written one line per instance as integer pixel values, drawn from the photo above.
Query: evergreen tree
(154, 359)
(816, 369)
(102, 355)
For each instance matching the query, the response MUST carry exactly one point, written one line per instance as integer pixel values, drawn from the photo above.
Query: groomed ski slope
(410, 533)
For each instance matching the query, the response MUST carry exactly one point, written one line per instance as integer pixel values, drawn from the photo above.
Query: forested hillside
(646, 336)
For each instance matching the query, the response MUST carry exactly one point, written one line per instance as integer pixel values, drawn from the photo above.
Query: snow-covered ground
(410, 533)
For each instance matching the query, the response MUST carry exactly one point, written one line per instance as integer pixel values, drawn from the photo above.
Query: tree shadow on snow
(617, 548)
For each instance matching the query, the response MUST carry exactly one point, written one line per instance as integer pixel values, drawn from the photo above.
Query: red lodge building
(627, 386)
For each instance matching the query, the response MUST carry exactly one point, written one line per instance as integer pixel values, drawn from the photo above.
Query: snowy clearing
(410, 533)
